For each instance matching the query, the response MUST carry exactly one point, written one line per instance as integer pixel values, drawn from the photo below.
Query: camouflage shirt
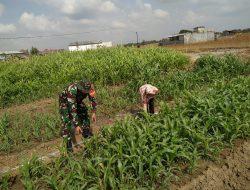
(74, 94)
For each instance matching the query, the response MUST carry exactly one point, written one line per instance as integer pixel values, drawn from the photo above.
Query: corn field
(211, 109)
(44, 76)
(40, 77)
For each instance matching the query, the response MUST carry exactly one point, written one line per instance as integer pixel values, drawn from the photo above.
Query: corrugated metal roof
(176, 35)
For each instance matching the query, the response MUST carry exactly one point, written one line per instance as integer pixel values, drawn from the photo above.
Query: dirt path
(49, 105)
(11, 162)
(230, 173)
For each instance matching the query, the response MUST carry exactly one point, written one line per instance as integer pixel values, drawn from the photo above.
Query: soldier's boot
(67, 140)
(69, 145)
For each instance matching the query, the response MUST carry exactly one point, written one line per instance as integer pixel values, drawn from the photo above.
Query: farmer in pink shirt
(148, 93)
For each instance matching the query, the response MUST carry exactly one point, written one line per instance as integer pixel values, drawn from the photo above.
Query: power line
(58, 35)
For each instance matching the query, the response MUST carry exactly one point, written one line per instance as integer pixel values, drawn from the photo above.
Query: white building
(7, 54)
(83, 46)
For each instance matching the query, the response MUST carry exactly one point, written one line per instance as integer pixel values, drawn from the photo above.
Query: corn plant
(23, 129)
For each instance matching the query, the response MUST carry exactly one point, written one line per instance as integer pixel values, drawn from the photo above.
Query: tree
(185, 31)
(34, 51)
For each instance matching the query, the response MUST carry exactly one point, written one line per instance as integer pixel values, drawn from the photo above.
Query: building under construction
(198, 34)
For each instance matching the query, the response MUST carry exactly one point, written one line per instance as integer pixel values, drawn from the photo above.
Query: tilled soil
(12, 161)
(8, 162)
(231, 172)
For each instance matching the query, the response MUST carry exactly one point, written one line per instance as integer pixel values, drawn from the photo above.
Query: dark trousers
(150, 106)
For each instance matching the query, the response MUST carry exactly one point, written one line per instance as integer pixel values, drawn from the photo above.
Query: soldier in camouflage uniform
(73, 111)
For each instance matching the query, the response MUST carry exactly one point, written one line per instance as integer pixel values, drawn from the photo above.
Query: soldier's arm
(71, 97)
(92, 98)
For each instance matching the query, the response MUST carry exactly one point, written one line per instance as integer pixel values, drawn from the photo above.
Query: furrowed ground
(209, 109)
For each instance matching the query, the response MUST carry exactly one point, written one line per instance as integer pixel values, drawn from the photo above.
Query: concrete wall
(90, 46)
(198, 37)
(189, 38)
(83, 47)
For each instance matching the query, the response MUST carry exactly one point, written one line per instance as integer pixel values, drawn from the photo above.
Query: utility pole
(137, 39)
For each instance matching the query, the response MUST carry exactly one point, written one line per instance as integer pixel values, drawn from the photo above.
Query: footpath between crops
(46, 151)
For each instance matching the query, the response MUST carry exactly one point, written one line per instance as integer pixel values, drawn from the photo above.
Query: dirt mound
(232, 172)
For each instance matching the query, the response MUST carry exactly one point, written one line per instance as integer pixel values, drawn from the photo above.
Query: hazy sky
(112, 20)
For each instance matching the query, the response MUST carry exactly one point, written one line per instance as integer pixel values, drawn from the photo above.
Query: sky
(111, 20)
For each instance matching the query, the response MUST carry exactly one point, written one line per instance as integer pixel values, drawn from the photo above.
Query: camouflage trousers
(67, 127)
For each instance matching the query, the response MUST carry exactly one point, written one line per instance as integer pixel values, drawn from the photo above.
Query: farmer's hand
(156, 91)
(94, 117)
(78, 130)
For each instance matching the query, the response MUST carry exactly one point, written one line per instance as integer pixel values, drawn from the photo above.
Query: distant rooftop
(83, 43)
(10, 52)
(175, 35)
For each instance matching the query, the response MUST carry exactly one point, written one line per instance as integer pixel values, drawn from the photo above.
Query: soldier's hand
(94, 117)
(78, 130)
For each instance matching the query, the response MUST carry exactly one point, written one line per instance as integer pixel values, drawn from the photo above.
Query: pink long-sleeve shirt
(147, 92)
